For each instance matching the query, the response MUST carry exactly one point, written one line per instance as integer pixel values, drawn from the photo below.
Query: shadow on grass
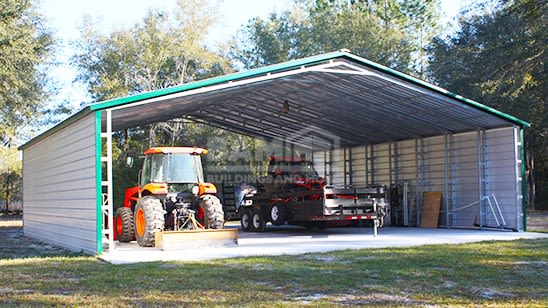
(14, 245)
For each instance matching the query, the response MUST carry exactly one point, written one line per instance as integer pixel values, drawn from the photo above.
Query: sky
(64, 17)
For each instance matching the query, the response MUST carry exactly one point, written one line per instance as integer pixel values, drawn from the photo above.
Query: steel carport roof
(311, 102)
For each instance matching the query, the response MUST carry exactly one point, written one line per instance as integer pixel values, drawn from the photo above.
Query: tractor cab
(168, 170)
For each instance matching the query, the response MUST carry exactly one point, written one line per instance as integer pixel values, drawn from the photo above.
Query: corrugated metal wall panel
(358, 166)
(466, 186)
(337, 167)
(59, 193)
(462, 173)
(502, 175)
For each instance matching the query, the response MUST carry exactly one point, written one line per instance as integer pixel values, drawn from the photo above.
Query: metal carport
(365, 123)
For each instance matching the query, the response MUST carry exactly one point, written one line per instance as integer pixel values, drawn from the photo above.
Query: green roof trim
(218, 80)
(440, 90)
(293, 64)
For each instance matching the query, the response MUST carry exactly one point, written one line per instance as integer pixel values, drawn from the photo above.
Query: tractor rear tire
(214, 217)
(245, 220)
(125, 225)
(149, 219)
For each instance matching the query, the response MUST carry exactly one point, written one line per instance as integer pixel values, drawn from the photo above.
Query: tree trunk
(530, 170)
(6, 210)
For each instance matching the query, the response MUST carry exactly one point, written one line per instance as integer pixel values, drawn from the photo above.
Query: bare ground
(14, 245)
(537, 221)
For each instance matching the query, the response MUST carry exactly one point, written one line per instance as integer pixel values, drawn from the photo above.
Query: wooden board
(431, 209)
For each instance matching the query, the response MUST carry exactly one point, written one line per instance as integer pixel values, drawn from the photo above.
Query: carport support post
(390, 163)
(419, 172)
(519, 162)
(480, 191)
(453, 172)
(522, 179)
(482, 175)
(331, 164)
(107, 206)
(445, 175)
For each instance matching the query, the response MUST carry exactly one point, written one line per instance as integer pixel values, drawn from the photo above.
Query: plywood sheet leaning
(431, 209)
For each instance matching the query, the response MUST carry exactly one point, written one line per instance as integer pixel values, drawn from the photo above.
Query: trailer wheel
(277, 214)
(125, 232)
(214, 217)
(257, 221)
(149, 219)
(245, 220)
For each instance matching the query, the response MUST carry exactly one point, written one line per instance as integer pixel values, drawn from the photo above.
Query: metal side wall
(59, 188)
(455, 165)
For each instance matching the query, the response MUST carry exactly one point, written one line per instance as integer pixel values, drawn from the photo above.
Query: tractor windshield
(184, 168)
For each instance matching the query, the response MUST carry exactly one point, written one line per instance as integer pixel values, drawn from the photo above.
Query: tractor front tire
(214, 217)
(149, 219)
(125, 229)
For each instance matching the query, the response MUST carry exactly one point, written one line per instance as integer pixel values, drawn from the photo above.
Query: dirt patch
(537, 220)
(14, 245)
(355, 300)
(11, 220)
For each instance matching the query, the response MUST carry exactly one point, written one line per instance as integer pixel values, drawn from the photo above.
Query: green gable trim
(440, 90)
(285, 66)
(296, 64)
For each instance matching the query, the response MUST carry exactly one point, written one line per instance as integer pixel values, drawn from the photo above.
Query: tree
(161, 51)
(10, 175)
(499, 58)
(382, 31)
(25, 45)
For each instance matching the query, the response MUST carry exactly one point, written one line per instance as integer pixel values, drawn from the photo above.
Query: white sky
(64, 16)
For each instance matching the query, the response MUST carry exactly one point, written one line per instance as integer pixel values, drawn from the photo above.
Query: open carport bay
(295, 240)
(360, 123)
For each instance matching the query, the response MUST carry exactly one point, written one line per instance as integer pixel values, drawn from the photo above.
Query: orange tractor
(171, 195)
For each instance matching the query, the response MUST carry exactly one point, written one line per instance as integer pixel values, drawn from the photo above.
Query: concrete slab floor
(290, 240)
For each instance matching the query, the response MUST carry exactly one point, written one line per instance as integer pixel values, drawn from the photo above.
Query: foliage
(393, 33)
(10, 175)
(161, 51)
(25, 45)
(498, 57)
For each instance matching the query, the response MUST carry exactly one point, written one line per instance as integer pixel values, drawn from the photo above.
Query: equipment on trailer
(171, 196)
(293, 193)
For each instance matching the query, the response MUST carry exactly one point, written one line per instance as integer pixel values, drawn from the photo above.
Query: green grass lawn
(487, 274)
